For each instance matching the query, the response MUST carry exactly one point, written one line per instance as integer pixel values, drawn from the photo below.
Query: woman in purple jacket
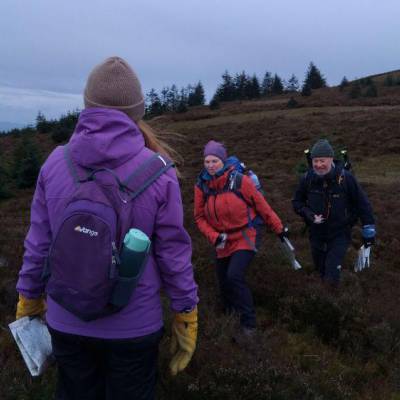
(113, 357)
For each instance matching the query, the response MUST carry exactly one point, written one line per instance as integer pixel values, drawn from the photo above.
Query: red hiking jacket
(227, 212)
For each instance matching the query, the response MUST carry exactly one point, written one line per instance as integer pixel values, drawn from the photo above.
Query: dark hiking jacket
(337, 196)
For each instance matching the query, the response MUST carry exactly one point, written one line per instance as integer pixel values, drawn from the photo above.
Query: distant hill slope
(380, 78)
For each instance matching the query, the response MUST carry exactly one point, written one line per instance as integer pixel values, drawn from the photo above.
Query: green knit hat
(114, 84)
(322, 149)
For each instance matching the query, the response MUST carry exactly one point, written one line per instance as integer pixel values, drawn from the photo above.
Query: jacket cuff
(308, 214)
(214, 238)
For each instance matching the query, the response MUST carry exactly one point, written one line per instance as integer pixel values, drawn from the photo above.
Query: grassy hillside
(381, 78)
(311, 344)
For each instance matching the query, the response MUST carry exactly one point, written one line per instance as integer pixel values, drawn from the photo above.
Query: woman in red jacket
(227, 205)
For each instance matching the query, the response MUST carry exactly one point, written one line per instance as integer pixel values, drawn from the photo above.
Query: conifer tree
(199, 94)
(266, 86)
(196, 95)
(355, 90)
(306, 89)
(69, 120)
(62, 129)
(226, 90)
(371, 90)
(293, 84)
(241, 84)
(253, 89)
(214, 104)
(60, 134)
(153, 104)
(4, 184)
(4, 179)
(26, 163)
(314, 78)
(164, 98)
(182, 106)
(42, 125)
(344, 83)
(366, 81)
(172, 98)
(184, 95)
(277, 85)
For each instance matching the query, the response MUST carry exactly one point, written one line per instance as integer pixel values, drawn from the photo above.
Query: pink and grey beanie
(215, 149)
(114, 84)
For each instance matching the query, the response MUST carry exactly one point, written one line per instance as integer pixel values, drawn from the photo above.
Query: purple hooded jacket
(108, 138)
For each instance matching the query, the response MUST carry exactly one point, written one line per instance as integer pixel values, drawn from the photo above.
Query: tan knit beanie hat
(114, 84)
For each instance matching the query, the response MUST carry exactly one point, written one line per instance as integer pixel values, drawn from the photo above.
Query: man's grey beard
(325, 173)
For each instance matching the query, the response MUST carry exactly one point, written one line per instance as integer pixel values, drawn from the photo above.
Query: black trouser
(105, 369)
(328, 255)
(235, 294)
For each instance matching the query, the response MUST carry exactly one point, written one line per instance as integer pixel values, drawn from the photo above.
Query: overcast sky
(48, 47)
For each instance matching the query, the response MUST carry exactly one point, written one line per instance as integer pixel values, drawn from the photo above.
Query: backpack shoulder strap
(71, 167)
(235, 184)
(308, 180)
(203, 187)
(342, 180)
(140, 179)
(237, 181)
(340, 177)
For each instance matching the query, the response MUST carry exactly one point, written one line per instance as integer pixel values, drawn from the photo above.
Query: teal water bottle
(134, 251)
(133, 259)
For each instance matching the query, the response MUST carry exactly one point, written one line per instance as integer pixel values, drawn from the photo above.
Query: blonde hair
(153, 142)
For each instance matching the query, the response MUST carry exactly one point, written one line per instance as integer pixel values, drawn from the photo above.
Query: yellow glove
(183, 341)
(30, 307)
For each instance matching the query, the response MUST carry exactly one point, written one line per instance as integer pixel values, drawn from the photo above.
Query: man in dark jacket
(330, 200)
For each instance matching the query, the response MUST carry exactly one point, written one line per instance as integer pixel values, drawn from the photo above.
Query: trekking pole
(345, 156)
(289, 250)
